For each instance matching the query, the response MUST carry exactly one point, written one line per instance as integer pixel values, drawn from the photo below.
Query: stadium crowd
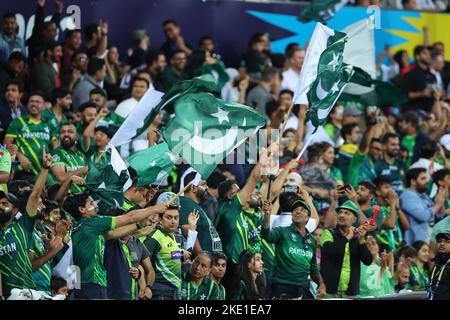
(365, 212)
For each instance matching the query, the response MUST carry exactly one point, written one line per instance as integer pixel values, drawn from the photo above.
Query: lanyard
(441, 272)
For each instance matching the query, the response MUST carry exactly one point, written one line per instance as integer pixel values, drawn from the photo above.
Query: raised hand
(46, 159)
(193, 219)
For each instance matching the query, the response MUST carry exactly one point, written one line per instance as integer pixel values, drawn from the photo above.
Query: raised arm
(247, 190)
(34, 199)
(138, 215)
(88, 132)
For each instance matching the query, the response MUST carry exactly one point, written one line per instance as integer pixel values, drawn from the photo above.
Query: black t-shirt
(416, 80)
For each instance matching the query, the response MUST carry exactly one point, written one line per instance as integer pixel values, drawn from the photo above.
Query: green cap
(351, 206)
(302, 203)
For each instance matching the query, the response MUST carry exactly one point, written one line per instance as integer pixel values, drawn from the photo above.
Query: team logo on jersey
(294, 237)
(175, 255)
(183, 293)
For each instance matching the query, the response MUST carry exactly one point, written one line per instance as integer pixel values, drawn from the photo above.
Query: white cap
(195, 182)
(445, 141)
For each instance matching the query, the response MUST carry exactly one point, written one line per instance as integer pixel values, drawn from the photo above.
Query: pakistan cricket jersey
(206, 290)
(72, 161)
(88, 242)
(166, 258)
(43, 275)
(30, 137)
(254, 219)
(15, 265)
(49, 116)
(395, 173)
(295, 256)
(233, 228)
(207, 234)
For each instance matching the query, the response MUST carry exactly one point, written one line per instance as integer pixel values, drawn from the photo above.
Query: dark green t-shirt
(88, 242)
(43, 275)
(207, 233)
(49, 116)
(72, 161)
(206, 290)
(232, 227)
(15, 265)
(295, 256)
(395, 173)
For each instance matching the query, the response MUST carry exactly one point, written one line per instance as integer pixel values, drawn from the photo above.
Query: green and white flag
(206, 129)
(324, 74)
(112, 121)
(108, 184)
(152, 164)
(321, 10)
(360, 52)
(154, 101)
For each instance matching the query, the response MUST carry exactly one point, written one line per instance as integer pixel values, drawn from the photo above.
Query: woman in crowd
(376, 279)
(419, 270)
(250, 276)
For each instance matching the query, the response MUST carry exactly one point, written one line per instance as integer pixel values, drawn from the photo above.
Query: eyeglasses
(441, 240)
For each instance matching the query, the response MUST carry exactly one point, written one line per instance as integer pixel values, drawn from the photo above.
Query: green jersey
(43, 275)
(207, 233)
(48, 115)
(88, 242)
(5, 165)
(254, 220)
(166, 258)
(390, 237)
(232, 227)
(373, 283)
(395, 173)
(31, 137)
(97, 157)
(206, 290)
(419, 279)
(295, 255)
(15, 265)
(72, 161)
(409, 143)
(361, 168)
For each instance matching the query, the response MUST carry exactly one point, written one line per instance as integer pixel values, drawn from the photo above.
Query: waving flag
(152, 164)
(108, 184)
(321, 10)
(324, 74)
(206, 129)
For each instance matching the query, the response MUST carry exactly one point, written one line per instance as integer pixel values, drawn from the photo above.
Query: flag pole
(286, 118)
(179, 193)
(305, 146)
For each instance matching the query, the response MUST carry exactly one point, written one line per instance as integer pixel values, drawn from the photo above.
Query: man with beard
(391, 166)
(295, 254)
(16, 233)
(218, 271)
(343, 250)
(45, 75)
(67, 159)
(412, 138)
(61, 100)
(418, 206)
(174, 72)
(31, 135)
(197, 285)
(440, 276)
(420, 83)
(208, 239)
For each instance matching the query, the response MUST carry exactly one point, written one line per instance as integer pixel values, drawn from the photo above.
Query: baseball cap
(351, 206)
(165, 197)
(301, 203)
(11, 198)
(444, 234)
(445, 141)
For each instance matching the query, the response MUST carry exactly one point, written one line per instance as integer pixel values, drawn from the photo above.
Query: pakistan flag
(324, 75)
(321, 10)
(108, 184)
(206, 129)
(152, 164)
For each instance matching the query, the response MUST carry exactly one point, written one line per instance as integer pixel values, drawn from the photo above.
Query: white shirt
(126, 106)
(439, 82)
(290, 80)
(284, 219)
